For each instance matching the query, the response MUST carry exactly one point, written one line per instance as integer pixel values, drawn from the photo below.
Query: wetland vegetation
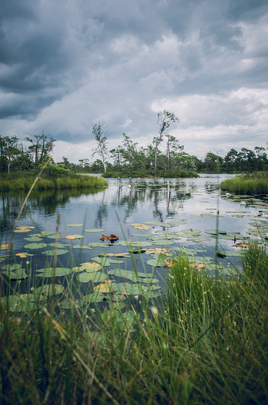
(155, 316)
(255, 183)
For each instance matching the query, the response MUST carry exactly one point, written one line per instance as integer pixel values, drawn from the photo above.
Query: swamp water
(153, 220)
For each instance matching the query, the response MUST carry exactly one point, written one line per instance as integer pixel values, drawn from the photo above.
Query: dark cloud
(64, 65)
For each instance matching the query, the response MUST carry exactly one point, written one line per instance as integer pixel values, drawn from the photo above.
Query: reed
(206, 343)
(203, 341)
(70, 181)
(254, 183)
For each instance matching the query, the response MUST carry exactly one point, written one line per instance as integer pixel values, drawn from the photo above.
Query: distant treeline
(126, 160)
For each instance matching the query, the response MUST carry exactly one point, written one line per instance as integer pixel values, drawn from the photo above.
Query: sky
(66, 65)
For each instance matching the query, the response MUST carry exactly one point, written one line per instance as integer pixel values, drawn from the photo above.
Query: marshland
(174, 310)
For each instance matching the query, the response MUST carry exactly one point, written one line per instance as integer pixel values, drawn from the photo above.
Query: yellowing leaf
(5, 246)
(24, 227)
(21, 255)
(142, 226)
(117, 254)
(104, 287)
(157, 251)
(74, 236)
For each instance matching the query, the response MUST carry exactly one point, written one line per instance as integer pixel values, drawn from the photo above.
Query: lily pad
(4, 246)
(94, 277)
(82, 247)
(19, 303)
(74, 225)
(158, 262)
(107, 286)
(215, 232)
(134, 289)
(24, 255)
(59, 271)
(53, 252)
(33, 239)
(164, 242)
(134, 276)
(16, 275)
(105, 261)
(142, 226)
(48, 289)
(58, 245)
(99, 244)
(35, 246)
(72, 237)
(90, 267)
(94, 230)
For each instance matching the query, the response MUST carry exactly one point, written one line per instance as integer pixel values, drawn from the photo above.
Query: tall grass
(252, 183)
(69, 181)
(206, 343)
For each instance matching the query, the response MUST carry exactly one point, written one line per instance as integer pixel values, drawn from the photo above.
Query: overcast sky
(67, 64)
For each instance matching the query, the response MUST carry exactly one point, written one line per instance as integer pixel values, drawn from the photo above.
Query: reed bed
(253, 183)
(70, 181)
(205, 341)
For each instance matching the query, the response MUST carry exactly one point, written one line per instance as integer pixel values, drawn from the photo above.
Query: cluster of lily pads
(107, 274)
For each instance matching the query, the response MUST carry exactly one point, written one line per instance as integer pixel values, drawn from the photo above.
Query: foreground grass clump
(254, 183)
(69, 181)
(206, 343)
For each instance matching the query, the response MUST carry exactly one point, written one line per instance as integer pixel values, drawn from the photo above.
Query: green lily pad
(95, 297)
(35, 246)
(19, 303)
(94, 277)
(82, 247)
(90, 267)
(58, 236)
(16, 275)
(33, 239)
(99, 244)
(215, 232)
(163, 242)
(133, 276)
(48, 289)
(175, 223)
(105, 261)
(59, 271)
(8, 267)
(134, 289)
(68, 303)
(158, 261)
(74, 225)
(94, 230)
(52, 252)
(58, 245)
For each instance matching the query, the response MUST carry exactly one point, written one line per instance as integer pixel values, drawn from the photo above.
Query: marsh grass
(205, 341)
(70, 181)
(253, 183)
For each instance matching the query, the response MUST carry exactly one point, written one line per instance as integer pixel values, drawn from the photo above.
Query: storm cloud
(65, 65)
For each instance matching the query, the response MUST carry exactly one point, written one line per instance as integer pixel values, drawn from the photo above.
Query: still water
(179, 212)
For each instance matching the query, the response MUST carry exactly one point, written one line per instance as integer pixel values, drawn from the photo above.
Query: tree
(100, 136)
(164, 120)
(231, 160)
(41, 148)
(172, 146)
(211, 161)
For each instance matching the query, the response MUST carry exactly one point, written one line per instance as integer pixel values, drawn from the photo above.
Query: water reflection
(45, 202)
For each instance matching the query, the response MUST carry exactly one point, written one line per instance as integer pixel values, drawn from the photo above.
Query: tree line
(128, 158)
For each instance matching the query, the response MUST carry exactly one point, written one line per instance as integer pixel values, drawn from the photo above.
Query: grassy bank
(254, 183)
(69, 181)
(206, 342)
(177, 174)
